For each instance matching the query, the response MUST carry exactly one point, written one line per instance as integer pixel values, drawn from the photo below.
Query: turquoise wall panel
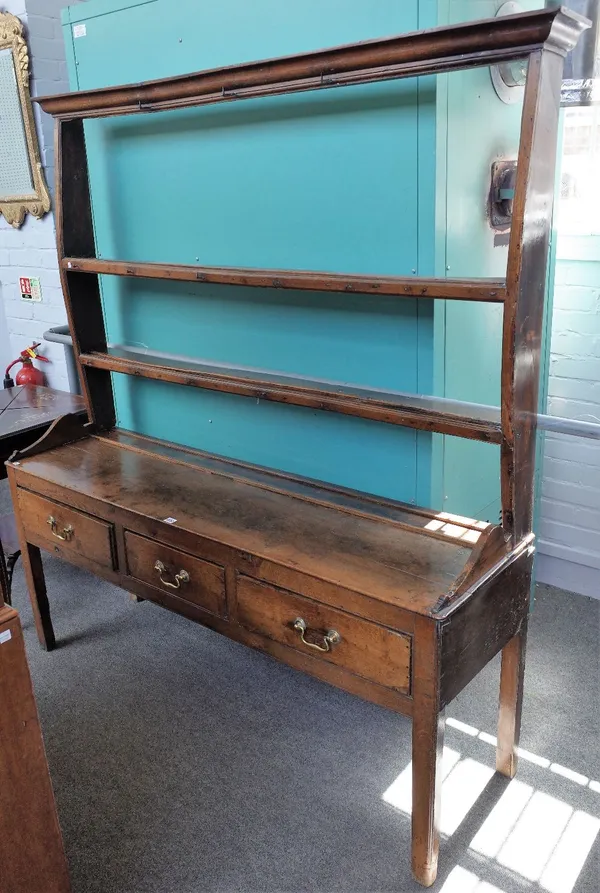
(339, 180)
(318, 335)
(320, 181)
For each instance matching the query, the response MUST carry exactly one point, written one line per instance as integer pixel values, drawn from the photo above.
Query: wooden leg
(34, 574)
(427, 749)
(511, 702)
(428, 745)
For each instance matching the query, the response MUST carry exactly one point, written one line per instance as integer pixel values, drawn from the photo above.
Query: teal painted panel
(318, 335)
(73, 14)
(313, 182)
(244, 326)
(164, 39)
(323, 181)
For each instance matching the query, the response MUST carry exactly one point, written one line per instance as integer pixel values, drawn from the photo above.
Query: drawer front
(364, 648)
(70, 531)
(200, 582)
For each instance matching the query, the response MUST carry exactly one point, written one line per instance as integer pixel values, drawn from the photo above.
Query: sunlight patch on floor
(535, 835)
(540, 847)
(463, 782)
(538, 837)
(565, 864)
(577, 777)
(502, 819)
(557, 768)
(462, 881)
(399, 793)
(461, 791)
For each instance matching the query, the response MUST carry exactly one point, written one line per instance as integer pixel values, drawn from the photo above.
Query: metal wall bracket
(502, 193)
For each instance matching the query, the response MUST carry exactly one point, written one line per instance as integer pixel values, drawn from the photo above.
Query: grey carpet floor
(185, 763)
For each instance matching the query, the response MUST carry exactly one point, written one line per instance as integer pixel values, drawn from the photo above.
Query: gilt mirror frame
(37, 201)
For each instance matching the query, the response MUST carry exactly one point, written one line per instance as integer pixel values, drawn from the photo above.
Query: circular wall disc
(502, 77)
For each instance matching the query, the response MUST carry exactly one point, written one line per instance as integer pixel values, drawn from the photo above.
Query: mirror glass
(15, 169)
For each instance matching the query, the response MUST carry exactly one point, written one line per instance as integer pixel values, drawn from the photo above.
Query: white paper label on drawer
(6, 636)
(170, 520)
(79, 30)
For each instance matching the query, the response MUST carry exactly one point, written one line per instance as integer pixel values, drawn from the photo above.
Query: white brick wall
(30, 250)
(569, 529)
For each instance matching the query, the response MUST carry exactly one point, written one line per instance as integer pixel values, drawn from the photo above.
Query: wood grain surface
(366, 649)
(32, 858)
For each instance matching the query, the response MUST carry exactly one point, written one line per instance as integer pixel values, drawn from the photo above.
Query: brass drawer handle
(181, 577)
(66, 534)
(330, 638)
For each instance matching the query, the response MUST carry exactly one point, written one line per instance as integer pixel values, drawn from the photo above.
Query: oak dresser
(400, 605)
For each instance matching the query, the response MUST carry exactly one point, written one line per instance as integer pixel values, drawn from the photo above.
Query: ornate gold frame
(37, 203)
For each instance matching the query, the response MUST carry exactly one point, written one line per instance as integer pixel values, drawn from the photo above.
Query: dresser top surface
(397, 554)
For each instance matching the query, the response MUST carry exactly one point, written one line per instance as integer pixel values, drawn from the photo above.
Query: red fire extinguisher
(28, 374)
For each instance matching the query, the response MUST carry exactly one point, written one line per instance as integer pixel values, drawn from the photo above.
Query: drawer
(70, 531)
(200, 582)
(364, 648)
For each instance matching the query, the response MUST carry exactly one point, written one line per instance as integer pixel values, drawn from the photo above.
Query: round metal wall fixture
(508, 78)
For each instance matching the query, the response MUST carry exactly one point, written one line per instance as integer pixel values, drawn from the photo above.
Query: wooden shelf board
(421, 412)
(488, 290)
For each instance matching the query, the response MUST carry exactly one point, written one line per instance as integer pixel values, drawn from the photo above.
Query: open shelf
(488, 290)
(421, 412)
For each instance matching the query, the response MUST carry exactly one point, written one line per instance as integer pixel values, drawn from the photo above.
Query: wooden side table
(26, 413)
(32, 858)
